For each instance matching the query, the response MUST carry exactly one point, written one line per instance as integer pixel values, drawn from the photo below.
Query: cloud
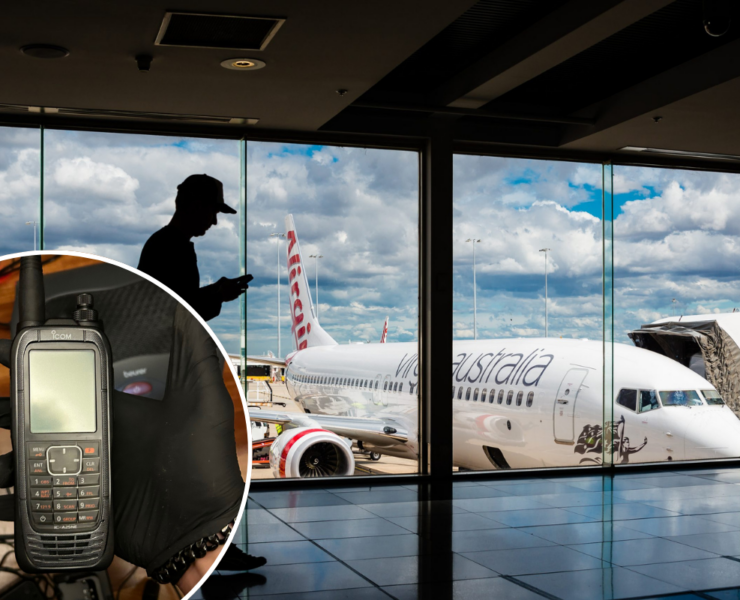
(676, 232)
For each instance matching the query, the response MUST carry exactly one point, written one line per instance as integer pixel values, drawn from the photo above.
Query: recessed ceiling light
(243, 64)
(44, 51)
(687, 153)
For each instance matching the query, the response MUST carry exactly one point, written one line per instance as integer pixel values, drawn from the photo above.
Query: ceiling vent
(193, 30)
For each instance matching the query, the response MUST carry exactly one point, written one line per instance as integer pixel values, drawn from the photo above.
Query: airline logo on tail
(306, 329)
(385, 331)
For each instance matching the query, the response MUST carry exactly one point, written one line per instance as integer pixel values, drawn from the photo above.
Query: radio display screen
(62, 391)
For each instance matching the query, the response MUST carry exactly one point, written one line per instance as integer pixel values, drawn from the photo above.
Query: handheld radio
(61, 381)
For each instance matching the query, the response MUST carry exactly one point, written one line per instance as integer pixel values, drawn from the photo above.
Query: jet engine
(311, 452)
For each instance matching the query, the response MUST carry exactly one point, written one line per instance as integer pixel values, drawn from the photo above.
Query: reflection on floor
(638, 535)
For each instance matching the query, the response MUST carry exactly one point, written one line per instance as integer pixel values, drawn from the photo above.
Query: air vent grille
(217, 31)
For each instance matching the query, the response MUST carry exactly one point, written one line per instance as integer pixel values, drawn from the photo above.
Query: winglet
(306, 329)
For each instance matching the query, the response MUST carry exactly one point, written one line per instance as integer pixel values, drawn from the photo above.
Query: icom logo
(60, 336)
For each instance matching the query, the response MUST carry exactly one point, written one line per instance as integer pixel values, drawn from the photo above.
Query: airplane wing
(266, 360)
(381, 432)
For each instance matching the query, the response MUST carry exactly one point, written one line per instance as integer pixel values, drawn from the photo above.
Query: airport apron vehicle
(517, 403)
(61, 380)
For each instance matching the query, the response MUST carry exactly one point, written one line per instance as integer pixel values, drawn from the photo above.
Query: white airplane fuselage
(547, 408)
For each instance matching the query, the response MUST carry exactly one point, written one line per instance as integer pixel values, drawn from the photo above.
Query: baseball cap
(204, 188)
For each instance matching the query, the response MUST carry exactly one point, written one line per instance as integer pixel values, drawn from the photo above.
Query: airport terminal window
(527, 287)
(107, 193)
(675, 234)
(20, 177)
(628, 399)
(354, 213)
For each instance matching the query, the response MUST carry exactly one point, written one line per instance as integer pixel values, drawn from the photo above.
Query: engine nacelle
(310, 452)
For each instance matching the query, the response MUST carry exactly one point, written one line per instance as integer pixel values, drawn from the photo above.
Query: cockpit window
(680, 398)
(628, 399)
(648, 400)
(713, 397)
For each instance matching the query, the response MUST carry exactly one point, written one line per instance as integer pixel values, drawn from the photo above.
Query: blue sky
(676, 232)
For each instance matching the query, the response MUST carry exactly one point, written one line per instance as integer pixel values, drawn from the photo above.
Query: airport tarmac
(387, 465)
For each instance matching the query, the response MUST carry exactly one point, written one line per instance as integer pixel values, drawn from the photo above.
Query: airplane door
(565, 405)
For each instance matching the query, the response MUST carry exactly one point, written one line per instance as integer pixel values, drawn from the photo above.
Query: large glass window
(353, 214)
(528, 312)
(20, 177)
(677, 325)
(107, 193)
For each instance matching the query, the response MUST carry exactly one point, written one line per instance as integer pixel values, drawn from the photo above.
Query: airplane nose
(715, 436)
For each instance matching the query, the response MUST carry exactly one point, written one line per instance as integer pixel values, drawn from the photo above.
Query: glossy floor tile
(673, 535)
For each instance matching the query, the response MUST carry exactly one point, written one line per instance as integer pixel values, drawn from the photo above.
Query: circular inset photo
(124, 431)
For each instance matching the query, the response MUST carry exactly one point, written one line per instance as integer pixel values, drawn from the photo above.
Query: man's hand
(231, 289)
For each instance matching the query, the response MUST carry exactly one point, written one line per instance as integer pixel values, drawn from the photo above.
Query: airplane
(517, 403)
(384, 335)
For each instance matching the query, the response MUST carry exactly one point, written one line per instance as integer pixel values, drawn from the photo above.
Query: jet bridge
(707, 344)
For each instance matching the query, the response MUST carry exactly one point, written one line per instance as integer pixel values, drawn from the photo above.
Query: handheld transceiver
(61, 382)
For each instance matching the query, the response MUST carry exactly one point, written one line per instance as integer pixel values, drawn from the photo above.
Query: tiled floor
(638, 535)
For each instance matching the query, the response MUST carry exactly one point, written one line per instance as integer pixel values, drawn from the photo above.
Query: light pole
(545, 250)
(316, 258)
(34, 223)
(278, 235)
(475, 299)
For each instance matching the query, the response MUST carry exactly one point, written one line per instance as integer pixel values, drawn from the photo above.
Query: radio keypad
(57, 497)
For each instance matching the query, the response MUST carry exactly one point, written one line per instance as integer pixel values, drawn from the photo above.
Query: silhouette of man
(169, 254)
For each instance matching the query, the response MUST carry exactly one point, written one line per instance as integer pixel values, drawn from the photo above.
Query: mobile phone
(61, 381)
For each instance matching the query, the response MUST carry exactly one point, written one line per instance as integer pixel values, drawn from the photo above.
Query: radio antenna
(31, 297)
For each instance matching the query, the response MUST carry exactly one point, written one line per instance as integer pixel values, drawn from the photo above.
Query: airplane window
(400, 387)
(648, 400)
(530, 398)
(459, 393)
(395, 387)
(385, 386)
(467, 394)
(492, 397)
(712, 397)
(680, 398)
(483, 395)
(453, 392)
(628, 399)
(366, 383)
(519, 397)
(509, 397)
(377, 382)
(501, 396)
(475, 395)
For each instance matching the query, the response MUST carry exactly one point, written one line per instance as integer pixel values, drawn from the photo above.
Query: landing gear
(374, 456)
